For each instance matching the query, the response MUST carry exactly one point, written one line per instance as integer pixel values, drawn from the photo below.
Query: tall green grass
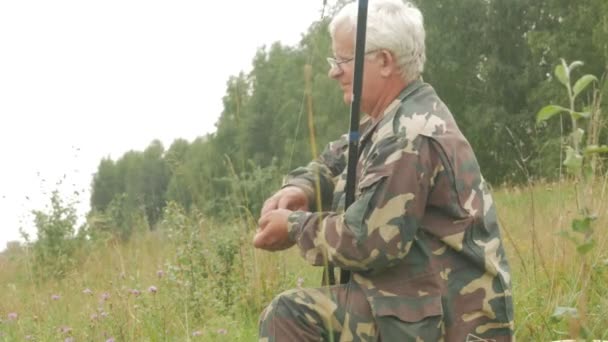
(198, 280)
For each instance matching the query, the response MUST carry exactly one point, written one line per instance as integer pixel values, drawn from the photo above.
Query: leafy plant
(576, 162)
(54, 249)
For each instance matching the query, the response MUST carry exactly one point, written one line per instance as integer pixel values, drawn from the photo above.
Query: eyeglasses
(336, 63)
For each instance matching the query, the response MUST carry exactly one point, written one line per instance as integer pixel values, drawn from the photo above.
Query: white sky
(81, 80)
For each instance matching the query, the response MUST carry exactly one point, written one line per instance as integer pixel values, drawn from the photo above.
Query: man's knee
(289, 317)
(282, 304)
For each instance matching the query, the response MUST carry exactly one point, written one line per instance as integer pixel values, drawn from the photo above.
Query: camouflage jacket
(421, 238)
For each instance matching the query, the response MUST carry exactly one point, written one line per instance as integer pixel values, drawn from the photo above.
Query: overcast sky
(81, 80)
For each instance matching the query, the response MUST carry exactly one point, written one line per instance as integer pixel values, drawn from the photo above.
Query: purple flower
(135, 292)
(152, 289)
(87, 291)
(105, 296)
(12, 316)
(197, 333)
(111, 339)
(222, 331)
(55, 297)
(94, 317)
(160, 273)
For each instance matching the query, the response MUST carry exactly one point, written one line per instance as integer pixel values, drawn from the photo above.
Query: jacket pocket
(409, 318)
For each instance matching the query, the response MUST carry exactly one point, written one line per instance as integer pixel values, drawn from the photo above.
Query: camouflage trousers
(339, 313)
(335, 313)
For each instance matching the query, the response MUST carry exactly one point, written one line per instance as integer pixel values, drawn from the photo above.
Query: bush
(54, 249)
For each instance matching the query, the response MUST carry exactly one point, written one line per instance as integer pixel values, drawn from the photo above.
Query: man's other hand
(272, 231)
(291, 197)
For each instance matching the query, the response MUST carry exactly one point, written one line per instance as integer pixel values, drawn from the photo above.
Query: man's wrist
(295, 224)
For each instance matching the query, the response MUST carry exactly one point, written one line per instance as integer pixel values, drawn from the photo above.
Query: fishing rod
(353, 135)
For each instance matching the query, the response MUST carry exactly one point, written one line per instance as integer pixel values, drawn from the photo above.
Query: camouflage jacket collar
(367, 126)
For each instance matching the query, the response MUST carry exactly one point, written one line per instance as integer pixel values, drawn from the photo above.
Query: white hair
(393, 25)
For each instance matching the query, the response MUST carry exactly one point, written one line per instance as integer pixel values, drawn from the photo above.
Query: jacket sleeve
(378, 229)
(324, 169)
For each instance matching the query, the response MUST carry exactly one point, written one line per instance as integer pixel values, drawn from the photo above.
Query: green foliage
(54, 248)
(122, 219)
(191, 267)
(105, 185)
(576, 159)
(249, 189)
(575, 151)
(133, 189)
(205, 266)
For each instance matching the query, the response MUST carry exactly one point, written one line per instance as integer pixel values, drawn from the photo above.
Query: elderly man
(421, 239)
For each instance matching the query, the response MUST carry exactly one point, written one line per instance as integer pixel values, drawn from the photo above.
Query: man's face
(344, 50)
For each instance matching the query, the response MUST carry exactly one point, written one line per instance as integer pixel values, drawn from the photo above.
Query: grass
(206, 282)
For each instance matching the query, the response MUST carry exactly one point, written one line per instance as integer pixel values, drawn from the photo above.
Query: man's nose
(334, 72)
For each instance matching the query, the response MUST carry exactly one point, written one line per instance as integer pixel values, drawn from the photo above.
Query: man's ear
(388, 63)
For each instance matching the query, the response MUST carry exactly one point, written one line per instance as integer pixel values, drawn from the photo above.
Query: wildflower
(105, 296)
(222, 331)
(135, 292)
(12, 316)
(94, 317)
(300, 281)
(197, 333)
(55, 297)
(87, 291)
(111, 339)
(152, 289)
(160, 273)
(69, 339)
(28, 337)
(104, 314)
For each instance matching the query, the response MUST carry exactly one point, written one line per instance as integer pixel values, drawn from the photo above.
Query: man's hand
(291, 197)
(272, 231)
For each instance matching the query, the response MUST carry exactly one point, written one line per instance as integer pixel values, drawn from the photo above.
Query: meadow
(197, 280)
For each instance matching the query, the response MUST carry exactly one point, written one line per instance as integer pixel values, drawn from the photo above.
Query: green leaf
(575, 65)
(548, 111)
(582, 83)
(592, 149)
(585, 247)
(582, 226)
(574, 160)
(562, 75)
(579, 115)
